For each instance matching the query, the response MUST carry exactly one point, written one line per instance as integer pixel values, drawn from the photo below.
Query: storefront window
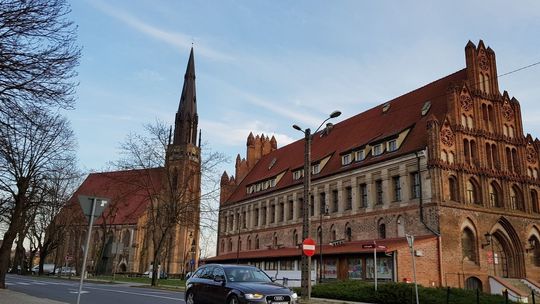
(384, 266)
(330, 269)
(355, 268)
(286, 265)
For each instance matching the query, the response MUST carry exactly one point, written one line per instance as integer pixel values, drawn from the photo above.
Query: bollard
(447, 295)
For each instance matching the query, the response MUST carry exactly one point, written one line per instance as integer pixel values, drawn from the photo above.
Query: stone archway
(508, 251)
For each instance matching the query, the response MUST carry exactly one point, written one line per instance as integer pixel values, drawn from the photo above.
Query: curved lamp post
(306, 261)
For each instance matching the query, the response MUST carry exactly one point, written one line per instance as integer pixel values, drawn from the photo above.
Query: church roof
(129, 192)
(369, 127)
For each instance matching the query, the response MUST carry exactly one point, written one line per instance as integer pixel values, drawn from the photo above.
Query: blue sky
(265, 65)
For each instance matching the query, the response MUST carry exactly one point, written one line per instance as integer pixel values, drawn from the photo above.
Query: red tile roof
(355, 132)
(129, 192)
(347, 248)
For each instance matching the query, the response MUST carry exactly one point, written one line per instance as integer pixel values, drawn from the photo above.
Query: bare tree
(36, 147)
(38, 56)
(47, 230)
(176, 201)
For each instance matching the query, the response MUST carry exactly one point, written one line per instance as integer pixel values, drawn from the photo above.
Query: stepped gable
(364, 128)
(128, 191)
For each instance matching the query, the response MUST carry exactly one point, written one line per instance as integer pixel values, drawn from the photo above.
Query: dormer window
(360, 155)
(392, 145)
(297, 174)
(315, 169)
(346, 159)
(377, 150)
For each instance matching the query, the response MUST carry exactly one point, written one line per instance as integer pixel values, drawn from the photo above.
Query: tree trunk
(9, 237)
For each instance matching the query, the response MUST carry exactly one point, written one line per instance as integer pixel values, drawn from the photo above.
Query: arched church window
(453, 188)
(534, 201)
(473, 192)
(516, 198)
(495, 195)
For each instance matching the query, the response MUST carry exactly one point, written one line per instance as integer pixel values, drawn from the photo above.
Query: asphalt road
(93, 293)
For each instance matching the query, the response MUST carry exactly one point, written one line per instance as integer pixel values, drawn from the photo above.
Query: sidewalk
(11, 297)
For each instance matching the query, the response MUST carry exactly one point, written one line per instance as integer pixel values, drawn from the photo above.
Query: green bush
(398, 293)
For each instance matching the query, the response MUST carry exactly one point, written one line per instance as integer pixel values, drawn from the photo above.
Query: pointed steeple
(186, 122)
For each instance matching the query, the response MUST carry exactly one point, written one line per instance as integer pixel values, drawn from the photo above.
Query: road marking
(137, 294)
(22, 283)
(82, 291)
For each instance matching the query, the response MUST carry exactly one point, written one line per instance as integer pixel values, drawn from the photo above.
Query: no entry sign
(308, 247)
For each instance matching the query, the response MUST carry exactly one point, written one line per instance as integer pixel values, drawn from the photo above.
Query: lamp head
(297, 128)
(335, 114)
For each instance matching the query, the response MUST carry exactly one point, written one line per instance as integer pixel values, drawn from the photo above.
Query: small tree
(176, 201)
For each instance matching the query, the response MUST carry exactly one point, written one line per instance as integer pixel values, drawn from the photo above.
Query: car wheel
(190, 299)
(233, 300)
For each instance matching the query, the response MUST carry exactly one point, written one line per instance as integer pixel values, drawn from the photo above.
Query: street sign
(86, 205)
(381, 247)
(308, 247)
(68, 258)
(368, 246)
(192, 262)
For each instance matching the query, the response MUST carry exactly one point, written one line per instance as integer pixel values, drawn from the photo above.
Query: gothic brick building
(122, 236)
(448, 163)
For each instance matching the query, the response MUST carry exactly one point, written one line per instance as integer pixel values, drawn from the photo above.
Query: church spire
(186, 122)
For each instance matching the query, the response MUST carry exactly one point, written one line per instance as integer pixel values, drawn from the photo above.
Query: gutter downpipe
(421, 205)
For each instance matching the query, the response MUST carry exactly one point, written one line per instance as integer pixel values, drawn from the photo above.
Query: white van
(47, 269)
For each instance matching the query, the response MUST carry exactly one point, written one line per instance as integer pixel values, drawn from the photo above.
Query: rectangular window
(281, 212)
(311, 206)
(392, 145)
(272, 213)
(315, 169)
(256, 217)
(291, 210)
(301, 207)
(273, 182)
(346, 159)
(360, 155)
(355, 268)
(397, 188)
(379, 192)
(322, 202)
(244, 220)
(270, 265)
(334, 201)
(348, 202)
(263, 219)
(298, 174)
(377, 150)
(286, 265)
(363, 196)
(415, 185)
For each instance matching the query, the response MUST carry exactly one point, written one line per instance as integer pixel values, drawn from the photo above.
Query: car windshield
(246, 274)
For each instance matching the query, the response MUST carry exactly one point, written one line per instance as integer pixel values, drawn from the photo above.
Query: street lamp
(306, 261)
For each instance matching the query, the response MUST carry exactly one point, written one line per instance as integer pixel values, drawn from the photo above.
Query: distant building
(121, 241)
(448, 163)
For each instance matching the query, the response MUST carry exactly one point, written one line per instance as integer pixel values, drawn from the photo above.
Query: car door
(206, 278)
(195, 282)
(217, 291)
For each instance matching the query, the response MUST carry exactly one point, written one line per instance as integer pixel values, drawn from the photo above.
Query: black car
(234, 284)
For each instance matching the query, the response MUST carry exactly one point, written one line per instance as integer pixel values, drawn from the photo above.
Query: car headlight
(254, 296)
(294, 296)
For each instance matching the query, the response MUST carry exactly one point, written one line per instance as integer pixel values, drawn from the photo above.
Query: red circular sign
(308, 247)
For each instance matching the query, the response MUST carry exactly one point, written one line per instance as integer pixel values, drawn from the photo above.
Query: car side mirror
(219, 278)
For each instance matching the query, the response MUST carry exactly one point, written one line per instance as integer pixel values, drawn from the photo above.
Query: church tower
(183, 170)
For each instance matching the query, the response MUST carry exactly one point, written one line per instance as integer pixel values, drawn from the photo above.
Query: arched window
(333, 233)
(222, 246)
(474, 153)
(482, 82)
(495, 195)
(348, 232)
(319, 234)
(453, 188)
(249, 243)
(473, 283)
(451, 157)
(473, 192)
(515, 161)
(486, 84)
(381, 229)
(534, 246)
(488, 154)
(295, 238)
(468, 245)
(470, 122)
(516, 199)
(274, 240)
(257, 243)
(400, 226)
(534, 201)
(463, 120)
(467, 151)
(239, 244)
(230, 245)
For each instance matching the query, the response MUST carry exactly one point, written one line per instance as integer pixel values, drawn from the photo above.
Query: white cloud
(176, 39)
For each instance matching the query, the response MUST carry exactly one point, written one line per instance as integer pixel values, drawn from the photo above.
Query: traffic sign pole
(83, 270)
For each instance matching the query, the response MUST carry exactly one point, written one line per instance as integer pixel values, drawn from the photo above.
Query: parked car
(65, 271)
(234, 284)
(47, 269)
(148, 274)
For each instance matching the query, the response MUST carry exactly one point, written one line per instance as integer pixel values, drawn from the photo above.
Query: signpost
(410, 240)
(308, 247)
(92, 207)
(374, 246)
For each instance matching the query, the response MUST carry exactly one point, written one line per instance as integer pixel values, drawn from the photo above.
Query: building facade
(447, 163)
(147, 206)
